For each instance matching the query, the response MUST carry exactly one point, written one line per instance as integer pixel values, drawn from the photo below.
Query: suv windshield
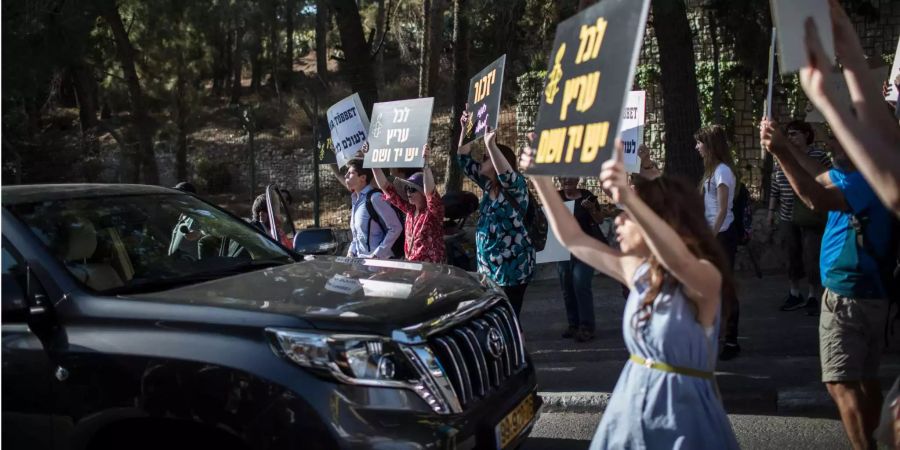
(137, 243)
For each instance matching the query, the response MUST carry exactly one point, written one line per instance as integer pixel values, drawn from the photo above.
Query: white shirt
(722, 175)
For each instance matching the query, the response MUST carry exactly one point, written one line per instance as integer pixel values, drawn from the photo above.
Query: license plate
(515, 422)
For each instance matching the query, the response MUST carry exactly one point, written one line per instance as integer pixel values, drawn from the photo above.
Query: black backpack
(742, 210)
(397, 248)
(535, 220)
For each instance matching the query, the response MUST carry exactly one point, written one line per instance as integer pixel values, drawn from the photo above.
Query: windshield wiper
(159, 284)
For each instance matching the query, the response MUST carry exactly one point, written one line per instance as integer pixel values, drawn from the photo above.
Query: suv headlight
(353, 359)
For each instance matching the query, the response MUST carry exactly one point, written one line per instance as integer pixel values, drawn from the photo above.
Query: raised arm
(700, 279)
(501, 165)
(427, 176)
(464, 149)
(872, 148)
(595, 253)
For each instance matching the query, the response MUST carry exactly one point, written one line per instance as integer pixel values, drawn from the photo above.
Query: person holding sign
(870, 136)
(424, 212)
(670, 259)
(505, 252)
(374, 225)
(718, 187)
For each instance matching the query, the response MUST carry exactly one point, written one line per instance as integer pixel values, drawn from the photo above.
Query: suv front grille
(479, 355)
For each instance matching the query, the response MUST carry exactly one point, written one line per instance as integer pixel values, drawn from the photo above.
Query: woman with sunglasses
(666, 396)
(424, 225)
(505, 252)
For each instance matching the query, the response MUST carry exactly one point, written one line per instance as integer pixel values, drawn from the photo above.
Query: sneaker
(812, 307)
(793, 303)
(570, 332)
(729, 351)
(584, 335)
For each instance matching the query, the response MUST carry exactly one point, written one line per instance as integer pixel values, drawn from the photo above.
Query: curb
(575, 402)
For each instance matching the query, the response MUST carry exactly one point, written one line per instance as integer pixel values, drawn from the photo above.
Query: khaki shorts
(851, 337)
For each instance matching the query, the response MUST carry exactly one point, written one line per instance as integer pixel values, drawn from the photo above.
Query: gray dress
(654, 409)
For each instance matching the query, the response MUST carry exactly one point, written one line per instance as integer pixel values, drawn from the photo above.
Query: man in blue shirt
(855, 303)
(370, 239)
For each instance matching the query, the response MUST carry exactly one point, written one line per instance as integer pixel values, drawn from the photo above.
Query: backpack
(535, 221)
(742, 209)
(889, 265)
(397, 248)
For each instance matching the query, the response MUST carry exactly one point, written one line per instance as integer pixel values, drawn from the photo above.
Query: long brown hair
(678, 204)
(716, 142)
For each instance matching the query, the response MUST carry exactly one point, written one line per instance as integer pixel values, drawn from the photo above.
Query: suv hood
(341, 293)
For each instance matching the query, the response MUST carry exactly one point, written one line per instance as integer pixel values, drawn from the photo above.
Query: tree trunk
(255, 58)
(237, 64)
(223, 64)
(424, 43)
(681, 110)
(436, 34)
(453, 182)
(322, 25)
(273, 45)
(290, 7)
(356, 51)
(377, 43)
(146, 161)
(86, 97)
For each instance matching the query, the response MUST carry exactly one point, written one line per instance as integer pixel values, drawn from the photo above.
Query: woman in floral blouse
(424, 228)
(505, 252)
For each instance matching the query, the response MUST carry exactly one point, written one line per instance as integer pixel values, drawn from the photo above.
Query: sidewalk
(777, 372)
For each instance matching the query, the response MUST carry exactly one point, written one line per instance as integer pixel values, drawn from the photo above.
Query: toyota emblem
(494, 342)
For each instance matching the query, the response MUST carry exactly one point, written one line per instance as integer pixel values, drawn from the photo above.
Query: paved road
(571, 431)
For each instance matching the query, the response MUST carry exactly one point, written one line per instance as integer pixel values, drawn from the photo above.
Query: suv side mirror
(316, 241)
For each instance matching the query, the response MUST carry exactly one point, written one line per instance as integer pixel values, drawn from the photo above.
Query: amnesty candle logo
(592, 67)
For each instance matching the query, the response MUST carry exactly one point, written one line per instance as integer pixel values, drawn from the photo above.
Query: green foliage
(213, 176)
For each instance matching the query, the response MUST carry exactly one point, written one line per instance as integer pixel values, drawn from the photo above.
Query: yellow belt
(651, 364)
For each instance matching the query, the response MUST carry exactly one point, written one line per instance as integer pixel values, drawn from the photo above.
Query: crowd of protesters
(674, 251)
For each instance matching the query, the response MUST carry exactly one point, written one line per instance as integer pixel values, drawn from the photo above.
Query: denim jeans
(575, 279)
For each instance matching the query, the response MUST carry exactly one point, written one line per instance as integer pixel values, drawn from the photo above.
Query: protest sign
(837, 85)
(893, 75)
(553, 250)
(789, 18)
(484, 99)
(398, 133)
(591, 69)
(349, 125)
(633, 129)
(767, 104)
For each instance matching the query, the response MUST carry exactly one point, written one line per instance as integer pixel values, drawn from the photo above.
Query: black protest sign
(590, 74)
(398, 133)
(484, 99)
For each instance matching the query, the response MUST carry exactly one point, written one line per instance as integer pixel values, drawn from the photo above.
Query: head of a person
(838, 155)
(259, 211)
(677, 202)
(487, 165)
(569, 183)
(414, 185)
(712, 144)
(800, 133)
(186, 187)
(357, 176)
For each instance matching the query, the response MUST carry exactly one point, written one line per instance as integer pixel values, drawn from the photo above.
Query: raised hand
(463, 120)
(365, 148)
(613, 177)
(490, 137)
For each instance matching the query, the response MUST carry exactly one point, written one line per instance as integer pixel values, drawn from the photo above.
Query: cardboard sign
(349, 126)
(894, 73)
(553, 250)
(398, 133)
(789, 17)
(633, 129)
(484, 99)
(590, 74)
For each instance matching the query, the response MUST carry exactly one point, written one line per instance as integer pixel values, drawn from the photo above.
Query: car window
(142, 241)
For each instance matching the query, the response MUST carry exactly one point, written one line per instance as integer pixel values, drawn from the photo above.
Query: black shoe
(570, 332)
(812, 307)
(729, 351)
(793, 303)
(584, 335)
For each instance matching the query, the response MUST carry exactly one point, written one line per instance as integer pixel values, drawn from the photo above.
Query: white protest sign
(841, 93)
(633, 129)
(895, 72)
(349, 127)
(553, 250)
(789, 17)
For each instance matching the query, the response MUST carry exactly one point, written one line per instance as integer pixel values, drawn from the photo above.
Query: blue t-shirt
(846, 268)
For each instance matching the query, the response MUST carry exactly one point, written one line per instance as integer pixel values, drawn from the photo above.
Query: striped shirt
(781, 190)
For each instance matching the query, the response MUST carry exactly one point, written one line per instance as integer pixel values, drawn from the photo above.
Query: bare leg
(851, 402)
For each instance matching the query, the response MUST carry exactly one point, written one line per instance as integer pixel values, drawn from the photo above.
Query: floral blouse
(505, 253)
(425, 231)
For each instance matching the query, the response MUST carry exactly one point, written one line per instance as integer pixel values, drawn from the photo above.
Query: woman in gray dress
(666, 396)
